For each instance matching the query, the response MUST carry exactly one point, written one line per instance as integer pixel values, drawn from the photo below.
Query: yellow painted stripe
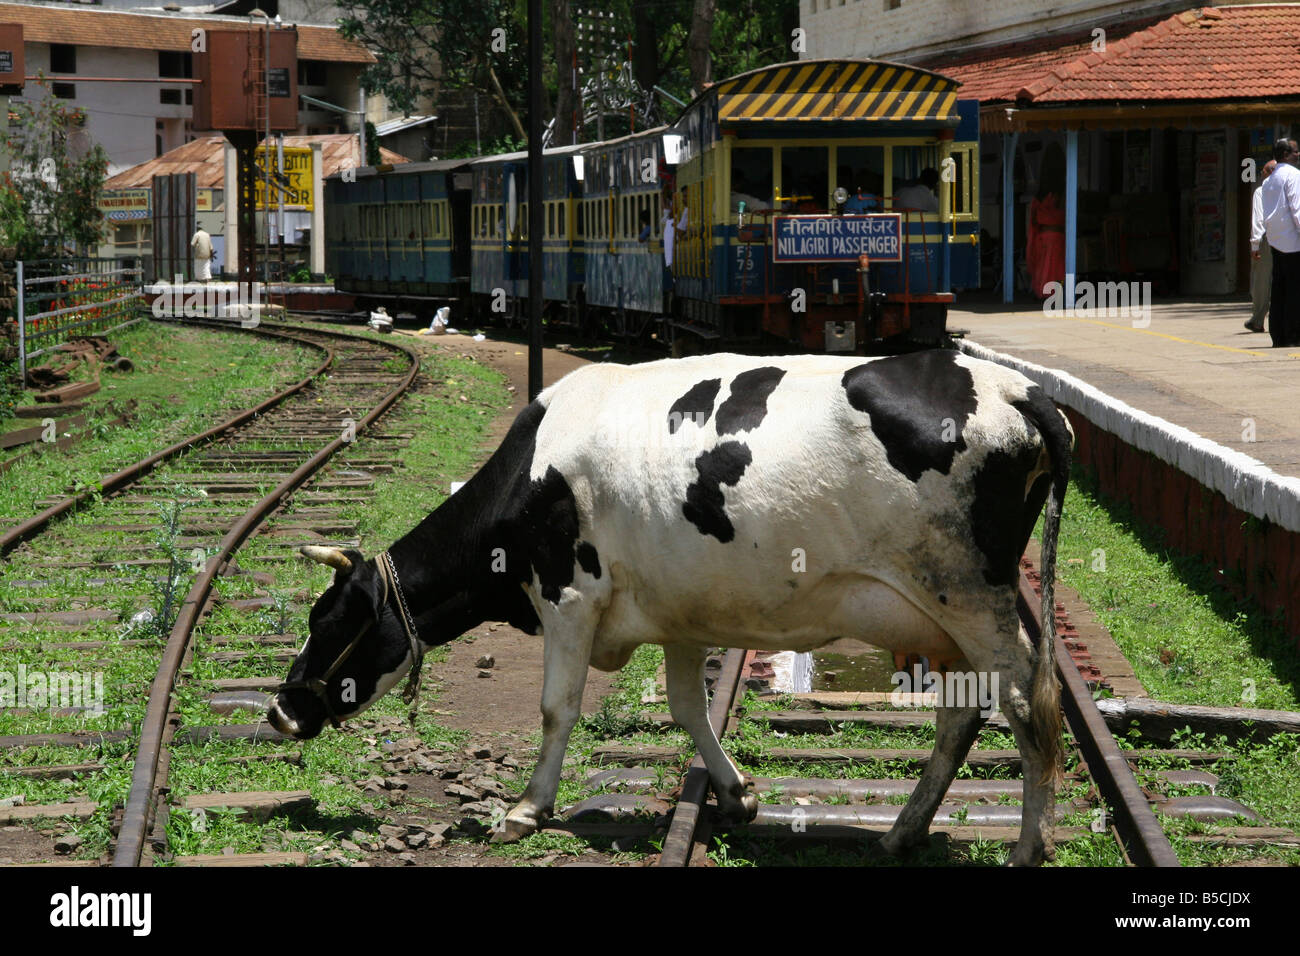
(823, 107)
(1272, 353)
(905, 106)
(798, 110)
(923, 111)
(778, 108)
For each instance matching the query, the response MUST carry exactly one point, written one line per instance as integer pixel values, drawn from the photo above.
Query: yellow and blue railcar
(498, 222)
(400, 234)
(622, 212)
(823, 205)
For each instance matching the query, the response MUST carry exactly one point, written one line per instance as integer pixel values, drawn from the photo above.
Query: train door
(963, 186)
(513, 252)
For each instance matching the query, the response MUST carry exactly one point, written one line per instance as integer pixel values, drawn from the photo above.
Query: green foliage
(50, 194)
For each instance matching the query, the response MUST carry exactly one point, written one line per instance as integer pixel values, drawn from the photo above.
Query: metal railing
(60, 298)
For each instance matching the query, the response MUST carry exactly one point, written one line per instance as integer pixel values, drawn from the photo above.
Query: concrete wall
(893, 30)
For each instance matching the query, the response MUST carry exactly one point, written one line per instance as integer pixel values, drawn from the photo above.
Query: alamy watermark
(230, 301)
(1122, 300)
(57, 690)
(917, 688)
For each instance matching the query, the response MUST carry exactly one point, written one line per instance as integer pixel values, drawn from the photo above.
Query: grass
(179, 390)
(1189, 641)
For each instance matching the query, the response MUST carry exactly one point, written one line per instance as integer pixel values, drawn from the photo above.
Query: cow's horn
(331, 556)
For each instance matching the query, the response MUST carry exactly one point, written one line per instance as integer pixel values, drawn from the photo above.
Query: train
(819, 205)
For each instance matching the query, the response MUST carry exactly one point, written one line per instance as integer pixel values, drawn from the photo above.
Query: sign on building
(296, 185)
(123, 204)
(837, 238)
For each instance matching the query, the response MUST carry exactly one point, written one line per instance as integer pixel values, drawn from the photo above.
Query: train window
(861, 171)
(550, 219)
(656, 226)
(805, 178)
(751, 178)
(560, 220)
(579, 220)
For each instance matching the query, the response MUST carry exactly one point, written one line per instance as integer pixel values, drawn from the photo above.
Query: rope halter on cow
(318, 685)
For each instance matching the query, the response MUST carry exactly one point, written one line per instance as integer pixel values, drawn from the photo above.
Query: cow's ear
(371, 586)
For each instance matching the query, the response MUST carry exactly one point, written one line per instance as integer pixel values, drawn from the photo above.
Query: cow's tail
(1045, 702)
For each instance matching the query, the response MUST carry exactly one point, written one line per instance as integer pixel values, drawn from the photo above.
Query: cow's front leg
(566, 656)
(688, 703)
(955, 729)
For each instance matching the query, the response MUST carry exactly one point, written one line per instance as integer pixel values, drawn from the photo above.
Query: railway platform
(1194, 365)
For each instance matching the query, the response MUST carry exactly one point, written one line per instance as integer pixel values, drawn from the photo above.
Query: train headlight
(841, 195)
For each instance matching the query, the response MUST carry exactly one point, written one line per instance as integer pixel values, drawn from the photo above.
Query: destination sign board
(838, 238)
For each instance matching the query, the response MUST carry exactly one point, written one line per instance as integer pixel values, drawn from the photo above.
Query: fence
(59, 298)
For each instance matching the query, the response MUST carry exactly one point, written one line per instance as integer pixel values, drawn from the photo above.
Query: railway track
(165, 577)
(1100, 797)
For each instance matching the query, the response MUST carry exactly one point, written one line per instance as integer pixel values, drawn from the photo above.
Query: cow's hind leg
(955, 730)
(1038, 813)
(566, 656)
(688, 703)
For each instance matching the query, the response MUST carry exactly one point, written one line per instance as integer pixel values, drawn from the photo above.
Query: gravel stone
(67, 843)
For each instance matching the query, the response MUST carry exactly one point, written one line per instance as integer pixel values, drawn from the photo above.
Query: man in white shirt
(203, 255)
(1261, 266)
(1280, 198)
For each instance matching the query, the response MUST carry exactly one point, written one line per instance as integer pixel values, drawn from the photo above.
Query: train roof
(523, 154)
(403, 169)
(835, 90)
(656, 131)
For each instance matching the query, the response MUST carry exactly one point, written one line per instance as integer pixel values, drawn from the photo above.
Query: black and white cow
(726, 500)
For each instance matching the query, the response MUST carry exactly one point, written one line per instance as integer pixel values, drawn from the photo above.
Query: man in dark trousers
(1280, 198)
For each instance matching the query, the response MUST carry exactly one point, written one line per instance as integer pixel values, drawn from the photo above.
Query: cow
(733, 501)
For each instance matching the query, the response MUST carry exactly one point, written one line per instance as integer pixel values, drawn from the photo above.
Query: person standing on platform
(1261, 266)
(203, 255)
(1045, 249)
(1280, 198)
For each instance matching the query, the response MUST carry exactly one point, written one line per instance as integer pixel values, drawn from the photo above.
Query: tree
(425, 46)
(697, 44)
(49, 197)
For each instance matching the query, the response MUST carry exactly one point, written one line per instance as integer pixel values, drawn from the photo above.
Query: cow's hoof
(511, 829)
(895, 843)
(740, 807)
(1028, 858)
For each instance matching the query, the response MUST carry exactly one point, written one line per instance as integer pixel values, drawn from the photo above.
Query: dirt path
(508, 702)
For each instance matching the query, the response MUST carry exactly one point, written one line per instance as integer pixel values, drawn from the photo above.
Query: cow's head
(357, 649)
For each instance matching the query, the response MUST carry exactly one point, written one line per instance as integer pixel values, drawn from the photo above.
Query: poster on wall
(1209, 208)
(1137, 165)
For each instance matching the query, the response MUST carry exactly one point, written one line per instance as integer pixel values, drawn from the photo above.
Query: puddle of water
(866, 668)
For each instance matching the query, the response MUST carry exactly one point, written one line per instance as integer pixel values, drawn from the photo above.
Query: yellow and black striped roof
(836, 90)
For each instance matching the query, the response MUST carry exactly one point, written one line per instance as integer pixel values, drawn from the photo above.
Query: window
(311, 73)
(169, 97)
(804, 178)
(560, 220)
(63, 58)
(550, 219)
(64, 91)
(174, 64)
(751, 178)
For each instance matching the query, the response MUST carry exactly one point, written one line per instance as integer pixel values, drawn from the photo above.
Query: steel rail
(1143, 837)
(25, 530)
(680, 839)
(154, 728)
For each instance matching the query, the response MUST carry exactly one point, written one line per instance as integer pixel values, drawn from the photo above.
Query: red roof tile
(205, 158)
(137, 31)
(1208, 53)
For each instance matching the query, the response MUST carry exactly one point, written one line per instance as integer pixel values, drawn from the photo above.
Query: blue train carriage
(399, 235)
(499, 227)
(808, 215)
(623, 188)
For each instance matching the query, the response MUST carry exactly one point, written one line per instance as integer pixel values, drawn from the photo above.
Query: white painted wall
(916, 28)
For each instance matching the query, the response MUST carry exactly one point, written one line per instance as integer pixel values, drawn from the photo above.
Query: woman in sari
(1045, 250)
